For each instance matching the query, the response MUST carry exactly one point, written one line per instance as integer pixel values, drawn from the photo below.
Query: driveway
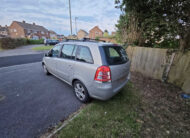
(23, 50)
(33, 101)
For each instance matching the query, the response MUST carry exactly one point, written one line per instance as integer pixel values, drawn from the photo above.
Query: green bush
(30, 41)
(10, 43)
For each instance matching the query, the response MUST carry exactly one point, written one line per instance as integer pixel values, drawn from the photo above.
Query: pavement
(33, 101)
(23, 50)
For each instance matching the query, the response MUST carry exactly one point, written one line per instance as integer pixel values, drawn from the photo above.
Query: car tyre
(81, 92)
(45, 69)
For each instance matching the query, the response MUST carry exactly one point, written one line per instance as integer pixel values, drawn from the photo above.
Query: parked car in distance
(94, 69)
(51, 42)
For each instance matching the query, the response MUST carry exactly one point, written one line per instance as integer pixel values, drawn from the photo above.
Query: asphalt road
(20, 59)
(33, 101)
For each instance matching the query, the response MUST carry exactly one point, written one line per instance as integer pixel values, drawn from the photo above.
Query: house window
(14, 30)
(42, 32)
(27, 31)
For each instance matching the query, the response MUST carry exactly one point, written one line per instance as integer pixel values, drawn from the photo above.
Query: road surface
(33, 101)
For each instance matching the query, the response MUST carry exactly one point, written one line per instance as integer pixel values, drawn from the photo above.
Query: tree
(106, 33)
(154, 22)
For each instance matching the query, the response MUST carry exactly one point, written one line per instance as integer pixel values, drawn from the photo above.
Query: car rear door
(66, 62)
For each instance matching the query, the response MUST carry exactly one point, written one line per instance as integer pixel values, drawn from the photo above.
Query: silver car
(94, 69)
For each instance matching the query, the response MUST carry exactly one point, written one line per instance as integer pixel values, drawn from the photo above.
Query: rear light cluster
(103, 74)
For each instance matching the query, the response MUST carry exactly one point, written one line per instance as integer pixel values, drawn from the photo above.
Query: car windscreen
(115, 55)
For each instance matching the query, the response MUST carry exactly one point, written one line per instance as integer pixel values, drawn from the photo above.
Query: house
(113, 33)
(95, 32)
(60, 37)
(52, 34)
(82, 34)
(71, 37)
(4, 31)
(26, 30)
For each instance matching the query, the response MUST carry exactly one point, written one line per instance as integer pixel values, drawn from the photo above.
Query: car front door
(66, 62)
(50, 60)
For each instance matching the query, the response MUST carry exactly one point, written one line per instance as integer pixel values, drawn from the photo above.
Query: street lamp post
(70, 16)
(76, 24)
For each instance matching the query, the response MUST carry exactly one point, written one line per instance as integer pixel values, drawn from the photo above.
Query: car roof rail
(83, 40)
(93, 40)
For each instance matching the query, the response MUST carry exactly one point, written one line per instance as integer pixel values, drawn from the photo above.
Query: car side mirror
(49, 54)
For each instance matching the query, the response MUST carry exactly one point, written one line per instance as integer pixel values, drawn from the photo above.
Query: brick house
(71, 37)
(4, 31)
(113, 33)
(60, 37)
(95, 32)
(52, 34)
(82, 34)
(26, 30)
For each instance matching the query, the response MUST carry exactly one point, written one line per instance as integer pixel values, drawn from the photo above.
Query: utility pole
(76, 25)
(70, 16)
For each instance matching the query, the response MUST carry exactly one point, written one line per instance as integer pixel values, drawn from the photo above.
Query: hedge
(30, 41)
(10, 43)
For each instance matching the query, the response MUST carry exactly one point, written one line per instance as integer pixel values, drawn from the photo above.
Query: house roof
(3, 28)
(31, 26)
(81, 30)
(52, 32)
(96, 27)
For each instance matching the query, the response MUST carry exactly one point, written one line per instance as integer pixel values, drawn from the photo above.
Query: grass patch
(1, 97)
(41, 48)
(114, 118)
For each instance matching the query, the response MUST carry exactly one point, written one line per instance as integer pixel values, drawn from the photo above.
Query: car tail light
(103, 74)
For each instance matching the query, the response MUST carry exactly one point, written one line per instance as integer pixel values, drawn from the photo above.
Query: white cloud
(54, 14)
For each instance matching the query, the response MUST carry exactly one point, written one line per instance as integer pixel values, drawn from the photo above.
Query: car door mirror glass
(49, 54)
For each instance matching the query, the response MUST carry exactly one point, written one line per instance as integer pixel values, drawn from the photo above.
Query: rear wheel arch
(76, 79)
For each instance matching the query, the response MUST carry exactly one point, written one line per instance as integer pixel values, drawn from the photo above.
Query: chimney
(34, 24)
(23, 21)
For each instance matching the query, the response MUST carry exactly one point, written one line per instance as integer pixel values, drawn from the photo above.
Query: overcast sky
(54, 14)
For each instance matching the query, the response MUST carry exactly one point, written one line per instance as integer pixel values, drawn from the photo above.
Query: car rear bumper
(104, 91)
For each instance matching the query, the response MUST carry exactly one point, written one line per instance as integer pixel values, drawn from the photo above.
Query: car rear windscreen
(115, 55)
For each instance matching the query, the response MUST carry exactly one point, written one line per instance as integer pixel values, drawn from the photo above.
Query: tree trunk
(184, 41)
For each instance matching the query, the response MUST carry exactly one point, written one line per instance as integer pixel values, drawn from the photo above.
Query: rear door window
(84, 55)
(67, 51)
(115, 55)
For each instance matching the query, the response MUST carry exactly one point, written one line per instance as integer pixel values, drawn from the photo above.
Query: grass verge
(114, 118)
(41, 48)
(1, 97)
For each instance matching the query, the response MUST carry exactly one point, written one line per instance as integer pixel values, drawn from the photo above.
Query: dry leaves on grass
(162, 112)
